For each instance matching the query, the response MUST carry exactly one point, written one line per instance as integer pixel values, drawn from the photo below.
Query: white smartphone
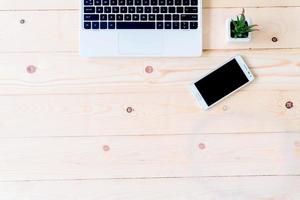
(222, 82)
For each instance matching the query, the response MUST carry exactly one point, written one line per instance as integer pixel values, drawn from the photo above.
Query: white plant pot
(236, 40)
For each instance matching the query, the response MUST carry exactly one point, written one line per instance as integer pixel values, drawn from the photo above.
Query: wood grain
(250, 3)
(271, 24)
(149, 156)
(60, 33)
(67, 73)
(65, 130)
(171, 113)
(226, 188)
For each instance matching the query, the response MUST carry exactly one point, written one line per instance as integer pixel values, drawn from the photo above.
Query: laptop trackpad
(140, 42)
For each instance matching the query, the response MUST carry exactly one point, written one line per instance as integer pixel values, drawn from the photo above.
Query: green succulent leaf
(241, 26)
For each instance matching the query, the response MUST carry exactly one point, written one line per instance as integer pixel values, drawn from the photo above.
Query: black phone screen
(221, 82)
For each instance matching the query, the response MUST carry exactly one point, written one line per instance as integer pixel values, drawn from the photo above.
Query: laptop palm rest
(140, 42)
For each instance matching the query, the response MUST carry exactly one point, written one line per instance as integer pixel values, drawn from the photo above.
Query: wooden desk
(74, 128)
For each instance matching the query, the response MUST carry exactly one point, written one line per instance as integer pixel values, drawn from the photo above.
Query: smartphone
(222, 82)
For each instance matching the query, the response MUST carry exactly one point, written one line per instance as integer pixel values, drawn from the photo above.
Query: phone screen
(221, 82)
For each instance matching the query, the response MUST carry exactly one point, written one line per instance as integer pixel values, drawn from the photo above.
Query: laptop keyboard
(140, 14)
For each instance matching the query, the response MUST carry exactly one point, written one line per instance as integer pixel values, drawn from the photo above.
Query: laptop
(141, 28)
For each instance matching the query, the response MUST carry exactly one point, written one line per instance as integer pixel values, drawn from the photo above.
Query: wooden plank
(66, 73)
(74, 4)
(271, 24)
(60, 33)
(227, 188)
(153, 113)
(39, 5)
(149, 156)
(249, 3)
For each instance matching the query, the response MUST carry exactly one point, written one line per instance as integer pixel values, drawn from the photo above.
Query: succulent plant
(240, 27)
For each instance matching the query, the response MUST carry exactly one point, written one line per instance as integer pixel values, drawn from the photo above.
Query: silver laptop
(141, 28)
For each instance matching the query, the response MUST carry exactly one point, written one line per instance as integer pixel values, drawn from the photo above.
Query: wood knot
(22, 21)
(274, 39)
(149, 69)
(129, 110)
(31, 69)
(106, 148)
(289, 105)
(201, 146)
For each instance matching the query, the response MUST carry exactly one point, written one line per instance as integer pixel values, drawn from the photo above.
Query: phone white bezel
(244, 68)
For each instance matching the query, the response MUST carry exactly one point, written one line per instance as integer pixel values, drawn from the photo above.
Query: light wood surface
(60, 33)
(66, 133)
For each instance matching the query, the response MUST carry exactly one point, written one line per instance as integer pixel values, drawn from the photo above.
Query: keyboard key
(135, 25)
(184, 25)
(159, 17)
(88, 2)
(139, 9)
(99, 10)
(146, 2)
(95, 25)
(186, 2)
(105, 2)
(107, 9)
(175, 25)
(103, 25)
(151, 17)
(191, 10)
(129, 2)
(162, 2)
(172, 10)
(111, 17)
(103, 17)
(115, 9)
(143, 17)
(89, 9)
(170, 2)
(160, 25)
(154, 2)
(147, 9)
(193, 25)
(127, 17)
(194, 2)
(123, 9)
(179, 9)
(135, 17)
(167, 25)
(98, 2)
(119, 17)
(155, 9)
(113, 2)
(91, 17)
(87, 25)
(175, 17)
(185, 17)
(131, 9)
(121, 2)
(137, 2)
(178, 2)
(163, 9)
(167, 17)
(111, 25)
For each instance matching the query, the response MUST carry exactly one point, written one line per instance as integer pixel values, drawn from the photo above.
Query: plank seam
(154, 135)
(152, 178)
